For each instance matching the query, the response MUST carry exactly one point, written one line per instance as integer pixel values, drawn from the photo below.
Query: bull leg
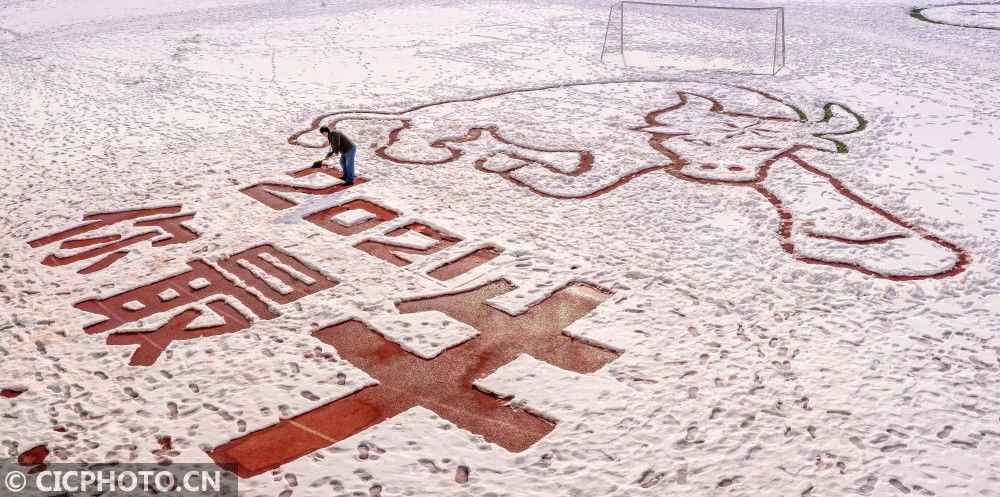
(824, 222)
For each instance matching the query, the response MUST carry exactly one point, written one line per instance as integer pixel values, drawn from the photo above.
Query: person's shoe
(348, 183)
(317, 164)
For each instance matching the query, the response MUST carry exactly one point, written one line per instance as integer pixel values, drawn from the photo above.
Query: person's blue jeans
(347, 164)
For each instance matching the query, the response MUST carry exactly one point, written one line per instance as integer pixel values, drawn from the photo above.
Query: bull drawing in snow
(580, 141)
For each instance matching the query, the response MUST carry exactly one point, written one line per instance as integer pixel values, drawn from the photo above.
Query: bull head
(719, 145)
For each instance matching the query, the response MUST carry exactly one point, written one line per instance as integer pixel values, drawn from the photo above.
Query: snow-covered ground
(803, 267)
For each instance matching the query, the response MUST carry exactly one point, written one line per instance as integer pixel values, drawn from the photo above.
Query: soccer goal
(698, 36)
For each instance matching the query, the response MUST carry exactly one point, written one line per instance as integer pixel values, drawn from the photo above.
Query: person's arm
(328, 154)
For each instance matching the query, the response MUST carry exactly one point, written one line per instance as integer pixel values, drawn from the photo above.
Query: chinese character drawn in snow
(446, 384)
(160, 225)
(204, 301)
(580, 141)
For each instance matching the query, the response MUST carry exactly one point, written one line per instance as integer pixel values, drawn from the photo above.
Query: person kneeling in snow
(340, 144)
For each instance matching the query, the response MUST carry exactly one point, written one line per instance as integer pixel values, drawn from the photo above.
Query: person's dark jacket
(339, 143)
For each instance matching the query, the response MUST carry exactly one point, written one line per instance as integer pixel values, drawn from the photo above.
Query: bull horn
(838, 120)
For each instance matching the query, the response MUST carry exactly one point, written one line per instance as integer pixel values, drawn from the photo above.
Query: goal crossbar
(618, 42)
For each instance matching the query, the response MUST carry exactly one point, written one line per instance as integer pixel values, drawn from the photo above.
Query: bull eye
(708, 166)
(735, 168)
(758, 149)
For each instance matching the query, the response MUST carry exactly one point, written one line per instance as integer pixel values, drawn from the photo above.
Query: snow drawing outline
(704, 141)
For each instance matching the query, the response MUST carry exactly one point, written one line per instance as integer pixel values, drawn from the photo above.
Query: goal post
(614, 35)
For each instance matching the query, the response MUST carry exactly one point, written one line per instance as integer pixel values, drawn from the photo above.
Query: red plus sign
(443, 384)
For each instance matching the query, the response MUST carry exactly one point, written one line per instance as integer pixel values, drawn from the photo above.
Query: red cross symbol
(443, 384)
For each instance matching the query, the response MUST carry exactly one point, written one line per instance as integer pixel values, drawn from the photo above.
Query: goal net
(698, 37)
